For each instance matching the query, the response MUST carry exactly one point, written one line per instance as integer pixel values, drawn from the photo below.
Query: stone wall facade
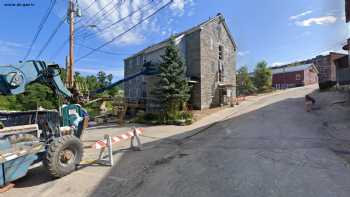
(217, 71)
(213, 78)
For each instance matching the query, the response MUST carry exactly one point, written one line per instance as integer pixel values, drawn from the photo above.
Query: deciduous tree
(245, 85)
(262, 77)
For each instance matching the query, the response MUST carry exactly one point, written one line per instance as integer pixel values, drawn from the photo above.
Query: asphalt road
(266, 147)
(273, 149)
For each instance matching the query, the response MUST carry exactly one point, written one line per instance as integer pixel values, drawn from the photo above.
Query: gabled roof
(289, 69)
(163, 43)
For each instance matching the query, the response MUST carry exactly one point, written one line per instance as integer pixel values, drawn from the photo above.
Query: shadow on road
(36, 176)
(133, 169)
(136, 168)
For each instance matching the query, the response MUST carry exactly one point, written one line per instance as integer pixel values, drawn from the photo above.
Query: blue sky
(277, 31)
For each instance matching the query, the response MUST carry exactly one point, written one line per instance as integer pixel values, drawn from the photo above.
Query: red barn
(294, 76)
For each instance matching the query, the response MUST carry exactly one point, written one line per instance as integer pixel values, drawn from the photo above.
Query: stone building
(209, 53)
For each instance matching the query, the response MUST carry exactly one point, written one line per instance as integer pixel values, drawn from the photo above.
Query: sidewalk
(158, 132)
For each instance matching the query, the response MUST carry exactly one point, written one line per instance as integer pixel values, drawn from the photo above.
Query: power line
(58, 51)
(40, 27)
(87, 34)
(103, 51)
(108, 12)
(97, 13)
(52, 36)
(112, 8)
(105, 14)
(85, 9)
(122, 19)
(123, 33)
(92, 3)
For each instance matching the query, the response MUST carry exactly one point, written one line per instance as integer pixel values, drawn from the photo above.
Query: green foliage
(262, 77)
(101, 80)
(173, 89)
(92, 82)
(35, 95)
(93, 109)
(7, 102)
(40, 95)
(245, 85)
(181, 118)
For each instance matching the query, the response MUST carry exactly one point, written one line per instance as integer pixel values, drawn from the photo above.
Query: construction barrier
(103, 143)
(108, 142)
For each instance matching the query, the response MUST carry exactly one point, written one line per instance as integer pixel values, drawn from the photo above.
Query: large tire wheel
(63, 155)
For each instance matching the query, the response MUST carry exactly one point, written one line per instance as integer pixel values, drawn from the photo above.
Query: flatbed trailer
(19, 148)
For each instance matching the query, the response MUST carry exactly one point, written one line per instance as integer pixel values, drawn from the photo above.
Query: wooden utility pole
(70, 67)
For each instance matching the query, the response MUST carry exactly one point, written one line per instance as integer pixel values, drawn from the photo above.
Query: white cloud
(300, 15)
(243, 53)
(279, 63)
(317, 21)
(178, 6)
(120, 9)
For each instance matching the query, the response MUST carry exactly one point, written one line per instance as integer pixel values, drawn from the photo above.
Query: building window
(221, 52)
(298, 77)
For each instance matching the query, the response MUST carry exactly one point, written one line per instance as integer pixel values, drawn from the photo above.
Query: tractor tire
(63, 155)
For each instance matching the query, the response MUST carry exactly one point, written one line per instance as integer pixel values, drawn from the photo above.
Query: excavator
(29, 137)
(48, 136)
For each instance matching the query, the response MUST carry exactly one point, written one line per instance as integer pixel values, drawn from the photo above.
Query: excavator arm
(14, 78)
(147, 70)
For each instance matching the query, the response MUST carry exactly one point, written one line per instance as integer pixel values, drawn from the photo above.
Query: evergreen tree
(262, 77)
(245, 84)
(173, 90)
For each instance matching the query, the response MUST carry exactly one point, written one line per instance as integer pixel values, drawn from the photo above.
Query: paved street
(268, 146)
(277, 150)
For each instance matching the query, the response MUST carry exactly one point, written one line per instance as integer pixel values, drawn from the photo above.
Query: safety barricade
(107, 144)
